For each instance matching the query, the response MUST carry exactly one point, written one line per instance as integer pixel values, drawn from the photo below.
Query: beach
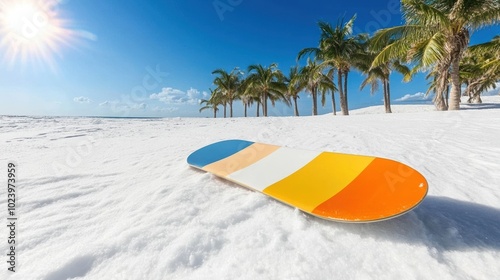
(115, 199)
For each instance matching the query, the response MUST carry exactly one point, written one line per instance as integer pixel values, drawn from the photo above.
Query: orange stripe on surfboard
(241, 159)
(374, 194)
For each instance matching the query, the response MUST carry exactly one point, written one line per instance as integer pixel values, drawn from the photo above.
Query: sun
(32, 30)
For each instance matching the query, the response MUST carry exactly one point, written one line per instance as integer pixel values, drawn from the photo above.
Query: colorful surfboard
(333, 186)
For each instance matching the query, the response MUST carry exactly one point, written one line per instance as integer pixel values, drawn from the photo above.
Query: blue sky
(155, 58)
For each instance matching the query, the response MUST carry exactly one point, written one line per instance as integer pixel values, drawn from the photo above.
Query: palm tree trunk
(455, 93)
(387, 96)
(334, 104)
(439, 102)
(296, 107)
(315, 102)
(231, 108)
(258, 109)
(477, 98)
(468, 93)
(225, 105)
(215, 112)
(467, 89)
(264, 105)
(341, 90)
(441, 81)
(346, 74)
(472, 92)
(246, 106)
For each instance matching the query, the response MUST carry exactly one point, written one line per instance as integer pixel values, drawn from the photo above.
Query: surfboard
(329, 185)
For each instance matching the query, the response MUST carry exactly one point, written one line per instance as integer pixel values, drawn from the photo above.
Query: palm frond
(424, 13)
(397, 50)
(429, 51)
(488, 14)
(405, 33)
(403, 70)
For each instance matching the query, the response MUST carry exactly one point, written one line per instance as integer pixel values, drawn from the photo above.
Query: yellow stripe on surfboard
(319, 180)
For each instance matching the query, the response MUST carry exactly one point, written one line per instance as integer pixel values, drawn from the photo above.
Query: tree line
(434, 39)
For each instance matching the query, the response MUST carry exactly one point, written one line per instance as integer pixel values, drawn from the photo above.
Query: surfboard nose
(385, 189)
(216, 151)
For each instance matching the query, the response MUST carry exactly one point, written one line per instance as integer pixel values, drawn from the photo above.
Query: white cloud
(82, 100)
(176, 96)
(195, 94)
(419, 96)
(86, 35)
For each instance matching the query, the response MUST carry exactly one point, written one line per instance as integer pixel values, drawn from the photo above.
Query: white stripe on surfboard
(273, 168)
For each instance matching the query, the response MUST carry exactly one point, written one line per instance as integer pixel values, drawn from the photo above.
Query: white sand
(115, 199)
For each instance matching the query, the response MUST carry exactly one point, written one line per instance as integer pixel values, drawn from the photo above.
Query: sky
(154, 58)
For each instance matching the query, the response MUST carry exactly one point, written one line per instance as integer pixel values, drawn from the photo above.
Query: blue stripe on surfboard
(216, 152)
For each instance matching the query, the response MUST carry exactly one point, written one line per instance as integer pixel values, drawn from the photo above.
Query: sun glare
(32, 31)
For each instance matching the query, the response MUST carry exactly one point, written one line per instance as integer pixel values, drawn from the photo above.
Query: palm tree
(228, 84)
(251, 95)
(268, 83)
(381, 74)
(493, 48)
(294, 87)
(338, 48)
(247, 101)
(247, 96)
(212, 103)
(330, 74)
(316, 82)
(435, 36)
(438, 80)
(479, 69)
